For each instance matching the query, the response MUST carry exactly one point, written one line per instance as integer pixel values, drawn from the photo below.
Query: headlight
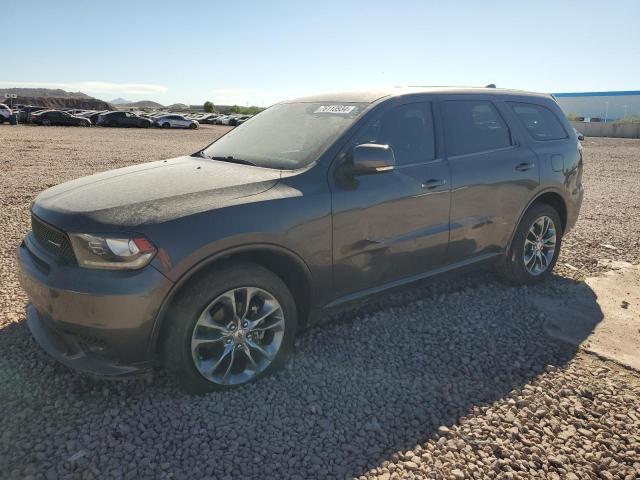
(112, 253)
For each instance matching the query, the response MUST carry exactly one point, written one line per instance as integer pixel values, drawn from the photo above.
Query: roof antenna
(491, 85)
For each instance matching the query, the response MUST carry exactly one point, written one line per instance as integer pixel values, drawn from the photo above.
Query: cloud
(92, 87)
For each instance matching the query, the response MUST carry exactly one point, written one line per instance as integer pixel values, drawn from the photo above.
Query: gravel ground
(449, 380)
(609, 225)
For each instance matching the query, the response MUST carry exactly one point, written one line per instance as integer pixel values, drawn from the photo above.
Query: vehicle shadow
(370, 382)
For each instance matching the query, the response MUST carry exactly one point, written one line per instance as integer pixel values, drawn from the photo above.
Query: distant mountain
(120, 101)
(140, 104)
(55, 98)
(43, 92)
(179, 106)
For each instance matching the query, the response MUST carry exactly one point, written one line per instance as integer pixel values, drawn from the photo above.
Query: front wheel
(230, 327)
(535, 247)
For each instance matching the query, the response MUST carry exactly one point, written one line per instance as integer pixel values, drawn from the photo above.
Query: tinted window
(474, 126)
(407, 129)
(539, 121)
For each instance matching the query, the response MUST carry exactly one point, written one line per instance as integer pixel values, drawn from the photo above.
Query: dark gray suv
(210, 263)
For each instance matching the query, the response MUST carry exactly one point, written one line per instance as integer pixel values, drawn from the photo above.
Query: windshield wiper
(228, 158)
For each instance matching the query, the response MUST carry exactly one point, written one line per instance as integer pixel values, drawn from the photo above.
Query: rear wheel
(46, 122)
(166, 125)
(535, 247)
(192, 126)
(232, 326)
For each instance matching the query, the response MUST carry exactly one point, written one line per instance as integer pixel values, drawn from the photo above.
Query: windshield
(287, 135)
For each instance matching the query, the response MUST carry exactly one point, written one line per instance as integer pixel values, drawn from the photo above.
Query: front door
(493, 175)
(392, 225)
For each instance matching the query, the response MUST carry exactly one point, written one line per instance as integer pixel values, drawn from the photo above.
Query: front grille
(52, 240)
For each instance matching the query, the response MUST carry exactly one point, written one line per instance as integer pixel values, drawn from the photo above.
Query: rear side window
(407, 129)
(539, 121)
(474, 126)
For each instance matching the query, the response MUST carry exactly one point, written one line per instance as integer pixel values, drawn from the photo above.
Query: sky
(261, 52)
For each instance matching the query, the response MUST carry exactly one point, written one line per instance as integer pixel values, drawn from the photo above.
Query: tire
(46, 123)
(1, 119)
(193, 126)
(166, 125)
(211, 292)
(516, 266)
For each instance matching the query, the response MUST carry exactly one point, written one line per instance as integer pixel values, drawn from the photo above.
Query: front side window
(538, 121)
(473, 126)
(287, 135)
(407, 129)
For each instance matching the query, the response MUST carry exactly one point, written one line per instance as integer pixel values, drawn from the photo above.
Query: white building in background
(600, 106)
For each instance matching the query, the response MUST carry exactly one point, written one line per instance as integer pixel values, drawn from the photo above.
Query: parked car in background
(73, 111)
(57, 117)
(123, 119)
(209, 118)
(26, 112)
(175, 121)
(96, 115)
(5, 113)
(223, 120)
(314, 204)
(238, 119)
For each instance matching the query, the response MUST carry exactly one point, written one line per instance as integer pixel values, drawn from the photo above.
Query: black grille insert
(53, 240)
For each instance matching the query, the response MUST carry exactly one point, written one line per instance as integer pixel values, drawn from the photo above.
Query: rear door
(393, 225)
(494, 175)
(130, 120)
(66, 119)
(59, 118)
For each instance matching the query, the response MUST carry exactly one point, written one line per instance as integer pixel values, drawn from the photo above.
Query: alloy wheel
(237, 336)
(540, 245)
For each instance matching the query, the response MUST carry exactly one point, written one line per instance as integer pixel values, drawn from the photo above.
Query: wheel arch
(549, 197)
(284, 263)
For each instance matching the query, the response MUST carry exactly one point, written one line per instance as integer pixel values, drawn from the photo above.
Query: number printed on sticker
(345, 109)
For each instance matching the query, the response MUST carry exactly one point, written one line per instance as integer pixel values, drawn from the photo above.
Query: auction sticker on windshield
(344, 109)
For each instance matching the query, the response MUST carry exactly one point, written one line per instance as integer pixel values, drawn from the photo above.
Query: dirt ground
(449, 380)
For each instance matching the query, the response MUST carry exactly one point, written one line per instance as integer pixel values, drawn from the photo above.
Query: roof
(370, 96)
(599, 94)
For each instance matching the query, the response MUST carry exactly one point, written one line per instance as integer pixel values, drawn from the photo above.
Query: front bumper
(70, 351)
(96, 321)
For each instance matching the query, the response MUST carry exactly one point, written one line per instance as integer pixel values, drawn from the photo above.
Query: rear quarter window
(539, 122)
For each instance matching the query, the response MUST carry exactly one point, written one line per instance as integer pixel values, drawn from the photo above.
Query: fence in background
(599, 129)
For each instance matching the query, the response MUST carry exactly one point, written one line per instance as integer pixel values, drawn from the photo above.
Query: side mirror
(373, 158)
(580, 136)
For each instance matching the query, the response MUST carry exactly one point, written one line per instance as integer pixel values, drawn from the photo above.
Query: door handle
(523, 167)
(433, 183)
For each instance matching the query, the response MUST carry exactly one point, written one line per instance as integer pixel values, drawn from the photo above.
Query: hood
(150, 193)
